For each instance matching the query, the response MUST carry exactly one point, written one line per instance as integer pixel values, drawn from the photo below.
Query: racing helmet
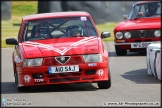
(42, 29)
(75, 30)
(152, 8)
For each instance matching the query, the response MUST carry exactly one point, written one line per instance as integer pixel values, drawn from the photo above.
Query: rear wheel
(105, 84)
(119, 51)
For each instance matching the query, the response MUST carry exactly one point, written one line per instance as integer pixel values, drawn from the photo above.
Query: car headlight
(119, 35)
(157, 33)
(92, 58)
(32, 62)
(127, 35)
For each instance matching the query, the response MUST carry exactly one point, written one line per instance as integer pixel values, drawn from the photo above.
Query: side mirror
(125, 16)
(11, 41)
(105, 35)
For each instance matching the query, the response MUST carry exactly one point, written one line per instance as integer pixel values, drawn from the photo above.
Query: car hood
(61, 46)
(139, 23)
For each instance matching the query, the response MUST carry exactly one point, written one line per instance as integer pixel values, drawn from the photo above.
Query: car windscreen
(58, 28)
(150, 9)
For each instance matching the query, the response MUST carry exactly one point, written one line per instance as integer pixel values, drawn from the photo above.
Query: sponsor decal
(27, 79)
(39, 80)
(62, 52)
(83, 18)
(100, 72)
(92, 64)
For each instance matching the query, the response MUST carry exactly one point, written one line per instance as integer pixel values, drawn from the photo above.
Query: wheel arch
(14, 64)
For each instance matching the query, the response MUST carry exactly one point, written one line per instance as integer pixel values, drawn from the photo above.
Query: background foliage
(10, 28)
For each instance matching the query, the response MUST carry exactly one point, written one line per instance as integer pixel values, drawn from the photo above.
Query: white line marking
(62, 52)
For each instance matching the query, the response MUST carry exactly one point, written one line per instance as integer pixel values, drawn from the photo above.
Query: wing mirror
(105, 35)
(11, 41)
(125, 16)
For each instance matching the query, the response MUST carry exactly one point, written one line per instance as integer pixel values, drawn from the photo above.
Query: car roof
(56, 14)
(147, 1)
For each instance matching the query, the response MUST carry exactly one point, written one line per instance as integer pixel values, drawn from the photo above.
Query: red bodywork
(73, 47)
(135, 25)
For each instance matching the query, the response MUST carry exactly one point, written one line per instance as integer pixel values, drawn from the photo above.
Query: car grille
(70, 76)
(64, 79)
(142, 34)
(52, 61)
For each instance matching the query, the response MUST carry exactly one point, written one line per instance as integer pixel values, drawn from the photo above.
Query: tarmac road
(131, 86)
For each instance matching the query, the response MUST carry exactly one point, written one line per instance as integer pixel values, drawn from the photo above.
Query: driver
(152, 9)
(75, 30)
(42, 30)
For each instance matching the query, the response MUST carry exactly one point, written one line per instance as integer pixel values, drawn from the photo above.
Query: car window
(58, 28)
(135, 11)
(159, 9)
(144, 8)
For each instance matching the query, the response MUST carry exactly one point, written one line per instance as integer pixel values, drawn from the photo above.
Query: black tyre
(16, 79)
(26, 88)
(120, 52)
(105, 84)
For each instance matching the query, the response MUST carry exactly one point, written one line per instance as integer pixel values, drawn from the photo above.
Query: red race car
(59, 48)
(141, 28)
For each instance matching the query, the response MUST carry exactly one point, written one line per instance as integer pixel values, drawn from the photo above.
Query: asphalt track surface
(131, 86)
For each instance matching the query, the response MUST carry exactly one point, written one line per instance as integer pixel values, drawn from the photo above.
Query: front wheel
(105, 84)
(119, 51)
(25, 88)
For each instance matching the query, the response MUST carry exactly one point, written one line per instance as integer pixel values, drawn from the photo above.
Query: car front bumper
(30, 76)
(127, 45)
